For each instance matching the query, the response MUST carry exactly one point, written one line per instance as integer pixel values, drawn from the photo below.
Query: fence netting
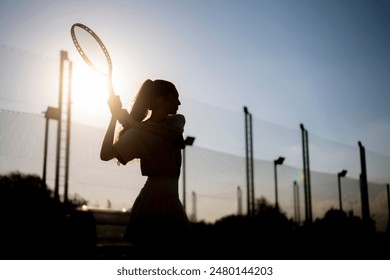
(215, 164)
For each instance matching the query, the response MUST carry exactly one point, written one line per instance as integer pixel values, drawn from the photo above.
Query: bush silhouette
(35, 226)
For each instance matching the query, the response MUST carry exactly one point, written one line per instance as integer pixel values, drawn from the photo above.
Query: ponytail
(143, 101)
(147, 95)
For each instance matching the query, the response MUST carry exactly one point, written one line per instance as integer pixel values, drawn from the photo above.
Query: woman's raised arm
(107, 151)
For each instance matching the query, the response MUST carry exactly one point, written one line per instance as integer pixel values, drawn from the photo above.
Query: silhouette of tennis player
(157, 218)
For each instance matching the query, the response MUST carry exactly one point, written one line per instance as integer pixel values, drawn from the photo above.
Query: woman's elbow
(105, 156)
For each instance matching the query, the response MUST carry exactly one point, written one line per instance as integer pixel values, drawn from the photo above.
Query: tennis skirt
(157, 215)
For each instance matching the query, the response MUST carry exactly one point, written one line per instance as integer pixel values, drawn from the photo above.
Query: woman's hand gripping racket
(95, 54)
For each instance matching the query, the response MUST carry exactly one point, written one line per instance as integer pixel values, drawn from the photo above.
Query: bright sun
(89, 93)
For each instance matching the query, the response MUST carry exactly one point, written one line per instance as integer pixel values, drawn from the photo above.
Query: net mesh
(215, 167)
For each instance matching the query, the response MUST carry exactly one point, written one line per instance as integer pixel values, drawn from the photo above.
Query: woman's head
(152, 96)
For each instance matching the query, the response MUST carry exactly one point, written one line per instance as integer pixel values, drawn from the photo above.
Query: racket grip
(110, 88)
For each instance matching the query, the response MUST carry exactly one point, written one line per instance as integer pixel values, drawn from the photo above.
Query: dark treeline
(269, 234)
(35, 226)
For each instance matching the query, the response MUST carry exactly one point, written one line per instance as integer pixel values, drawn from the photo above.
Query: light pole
(189, 141)
(278, 161)
(388, 206)
(339, 175)
(50, 114)
(297, 213)
(364, 185)
(249, 163)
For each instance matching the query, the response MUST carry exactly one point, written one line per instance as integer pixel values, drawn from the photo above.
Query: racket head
(92, 49)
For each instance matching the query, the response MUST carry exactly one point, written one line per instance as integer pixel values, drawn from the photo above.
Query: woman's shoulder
(177, 120)
(176, 117)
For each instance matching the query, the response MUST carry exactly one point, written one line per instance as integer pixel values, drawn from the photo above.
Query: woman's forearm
(107, 149)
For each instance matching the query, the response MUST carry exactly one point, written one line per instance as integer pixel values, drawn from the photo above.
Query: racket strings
(92, 49)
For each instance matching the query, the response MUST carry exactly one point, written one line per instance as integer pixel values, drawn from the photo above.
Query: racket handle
(110, 89)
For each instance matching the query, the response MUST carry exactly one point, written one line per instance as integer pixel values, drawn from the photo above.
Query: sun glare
(89, 92)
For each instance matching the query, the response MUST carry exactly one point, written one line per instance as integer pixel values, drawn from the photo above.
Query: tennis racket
(93, 51)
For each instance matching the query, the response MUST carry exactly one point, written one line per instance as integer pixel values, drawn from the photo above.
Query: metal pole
(305, 173)
(184, 178)
(187, 142)
(63, 56)
(388, 205)
(276, 187)
(308, 177)
(68, 123)
(340, 202)
(296, 203)
(249, 212)
(45, 153)
(364, 184)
